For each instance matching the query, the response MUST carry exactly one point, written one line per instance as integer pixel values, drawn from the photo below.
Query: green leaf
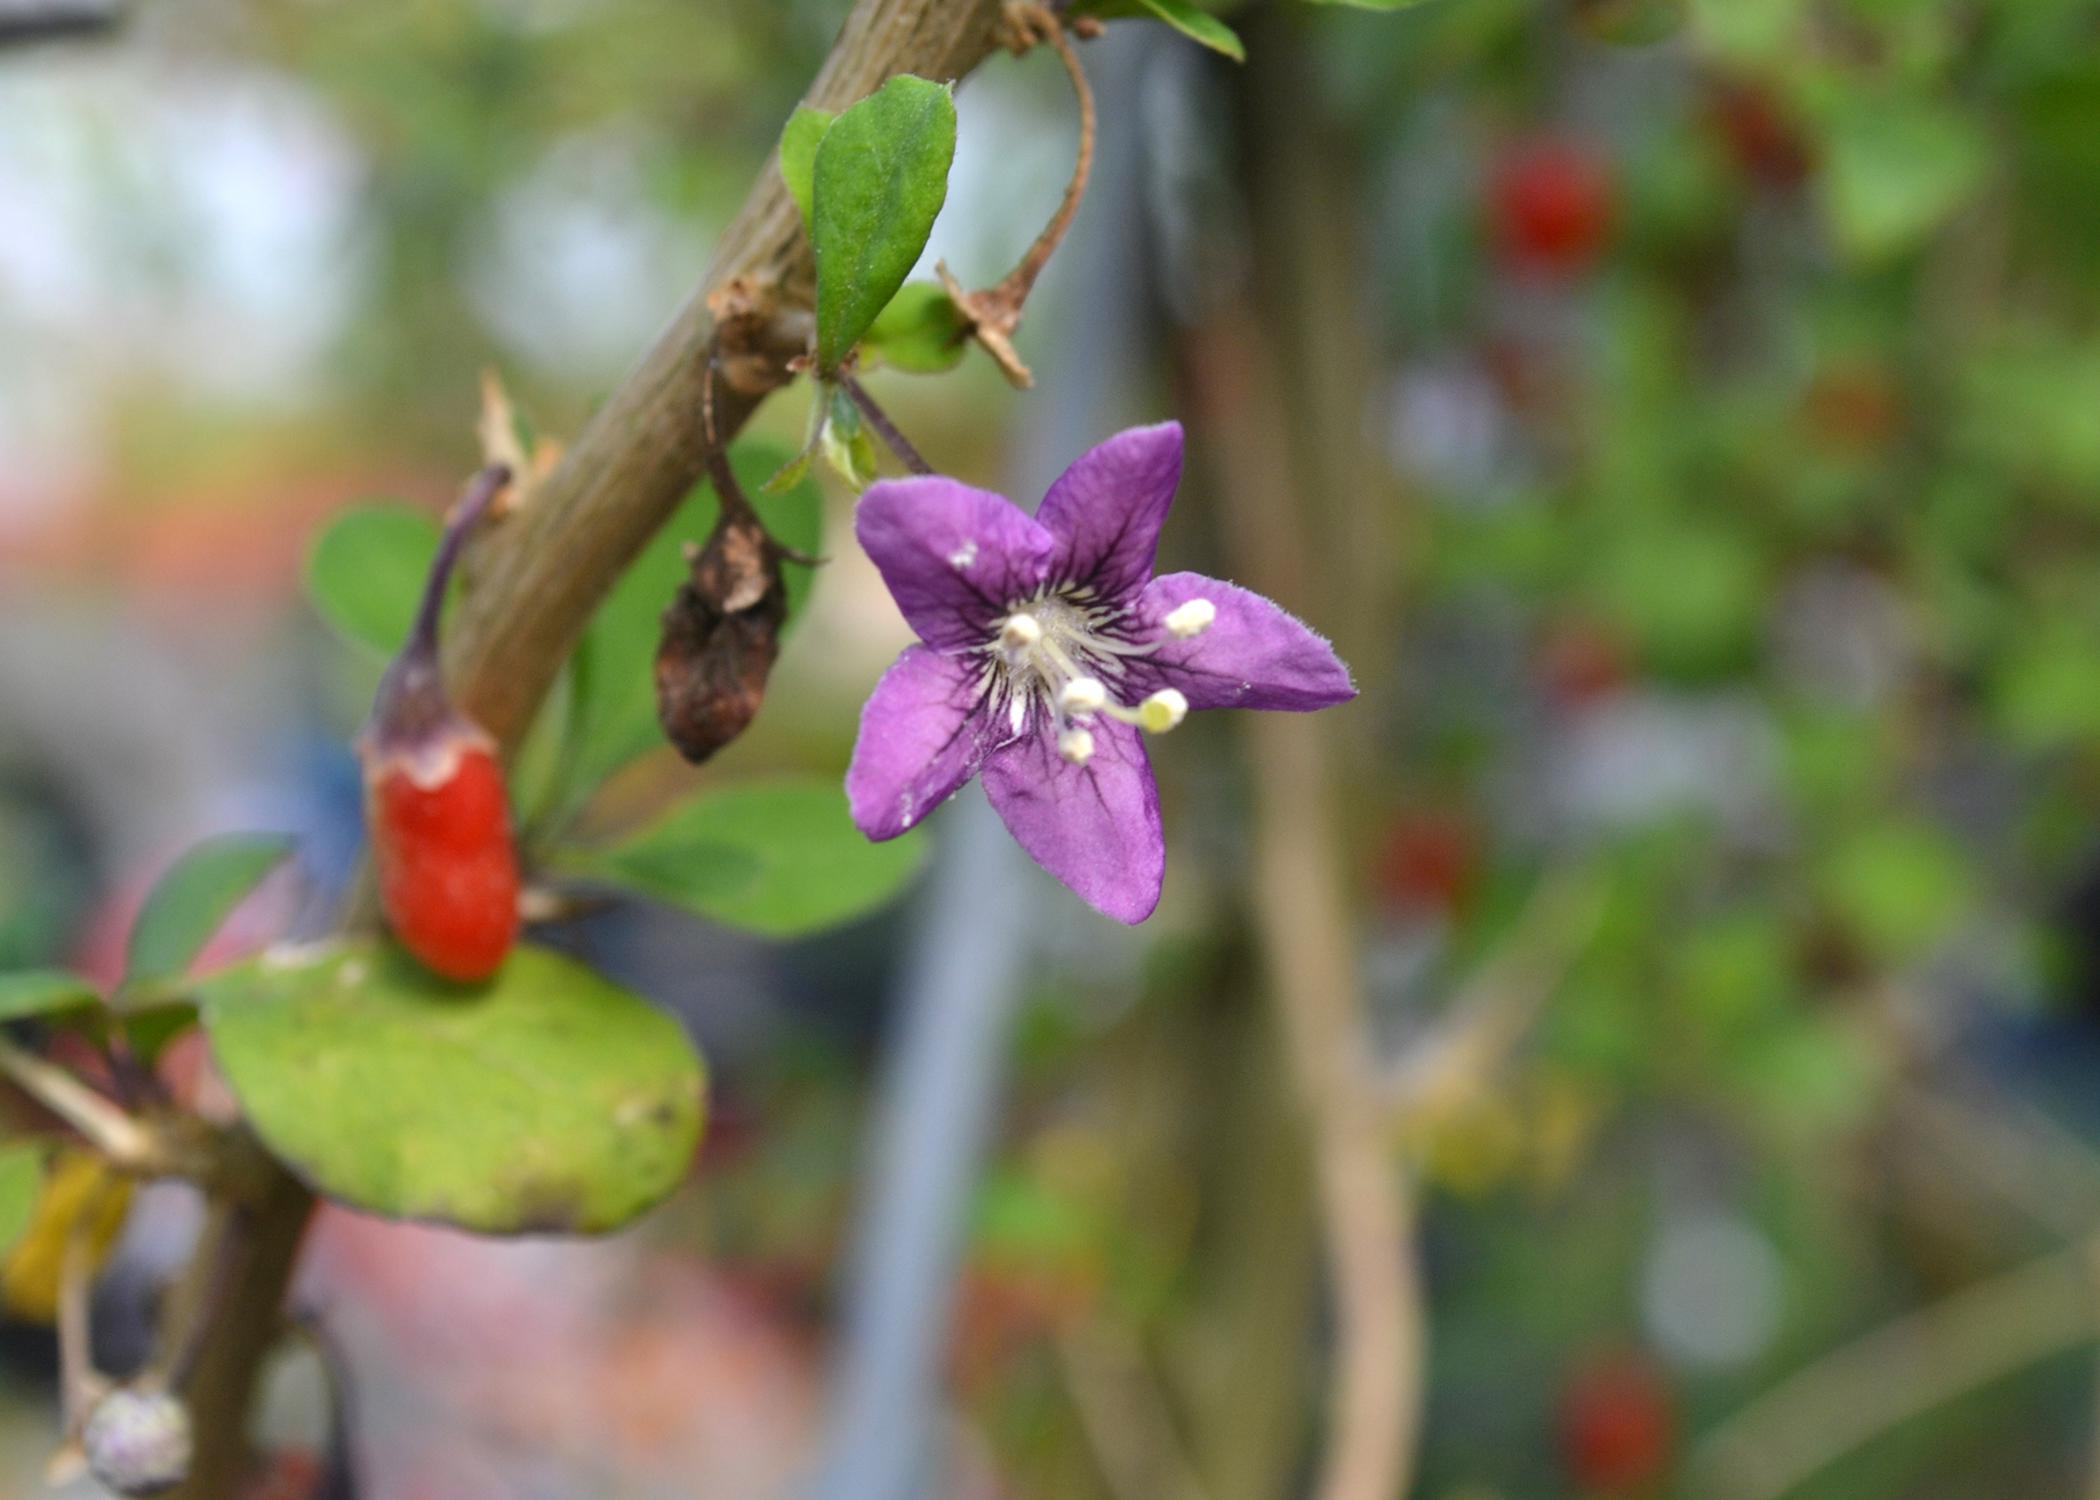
(21, 1182)
(881, 176)
(777, 857)
(548, 1100)
(192, 901)
(365, 574)
(922, 331)
(44, 992)
(1371, 4)
(613, 711)
(1900, 887)
(1896, 172)
(805, 132)
(1198, 25)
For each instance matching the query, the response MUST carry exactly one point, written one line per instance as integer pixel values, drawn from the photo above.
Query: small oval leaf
(880, 178)
(776, 857)
(192, 901)
(548, 1100)
(366, 571)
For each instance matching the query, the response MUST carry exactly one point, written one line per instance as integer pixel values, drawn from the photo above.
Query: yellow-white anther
(1162, 711)
(1083, 695)
(1076, 745)
(1019, 632)
(1191, 618)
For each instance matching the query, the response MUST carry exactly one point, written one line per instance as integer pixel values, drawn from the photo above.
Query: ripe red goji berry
(435, 801)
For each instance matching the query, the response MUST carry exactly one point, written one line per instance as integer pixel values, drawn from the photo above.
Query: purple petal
(1107, 509)
(1253, 655)
(922, 735)
(1095, 827)
(955, 558)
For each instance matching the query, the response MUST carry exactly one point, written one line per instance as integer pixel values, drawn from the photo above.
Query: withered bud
(721, 635)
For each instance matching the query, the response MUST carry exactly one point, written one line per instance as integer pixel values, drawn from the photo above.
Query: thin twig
(80, 1385)
(1900, 1370)
(885, 429)
(1043, 24)
(115, 1134)
(1124, 1416)
(994, 314)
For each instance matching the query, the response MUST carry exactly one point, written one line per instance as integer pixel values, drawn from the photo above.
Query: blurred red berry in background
(1618, 1425)
(1428, 863)
(1551, 205)
(1758, 133)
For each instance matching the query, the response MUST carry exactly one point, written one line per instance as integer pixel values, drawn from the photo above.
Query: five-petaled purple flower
(1048, 646)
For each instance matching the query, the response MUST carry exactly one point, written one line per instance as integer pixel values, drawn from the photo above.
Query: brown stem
(887, 430)
(539, 580)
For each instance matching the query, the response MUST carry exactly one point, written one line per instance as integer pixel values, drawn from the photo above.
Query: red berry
(1762, 139)
(434, 795)
(1581, 664)
(1617, 1425)
(1551, 205)
(448, 871)
(1429, 863)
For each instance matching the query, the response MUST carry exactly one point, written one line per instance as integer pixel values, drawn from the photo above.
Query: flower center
(1070, 655)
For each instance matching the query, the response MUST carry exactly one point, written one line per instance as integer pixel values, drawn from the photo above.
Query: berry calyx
(435, 799)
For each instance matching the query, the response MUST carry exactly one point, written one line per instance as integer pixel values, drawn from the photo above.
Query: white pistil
(1076, 744)
(1162, 711)
(1190, 619)
(1083, 695)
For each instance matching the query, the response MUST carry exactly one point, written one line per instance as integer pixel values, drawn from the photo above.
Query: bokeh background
(1685, 418)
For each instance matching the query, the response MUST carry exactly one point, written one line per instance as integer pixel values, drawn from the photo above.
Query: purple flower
(1047, 647)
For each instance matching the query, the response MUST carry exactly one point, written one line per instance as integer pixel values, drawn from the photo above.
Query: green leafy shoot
(878, 183)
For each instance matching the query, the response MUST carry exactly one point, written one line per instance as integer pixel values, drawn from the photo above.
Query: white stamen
(1191, 618)
(1076, 745)
(1083, 695)
(1163, 710)
(1020, 632)
(963, 556)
